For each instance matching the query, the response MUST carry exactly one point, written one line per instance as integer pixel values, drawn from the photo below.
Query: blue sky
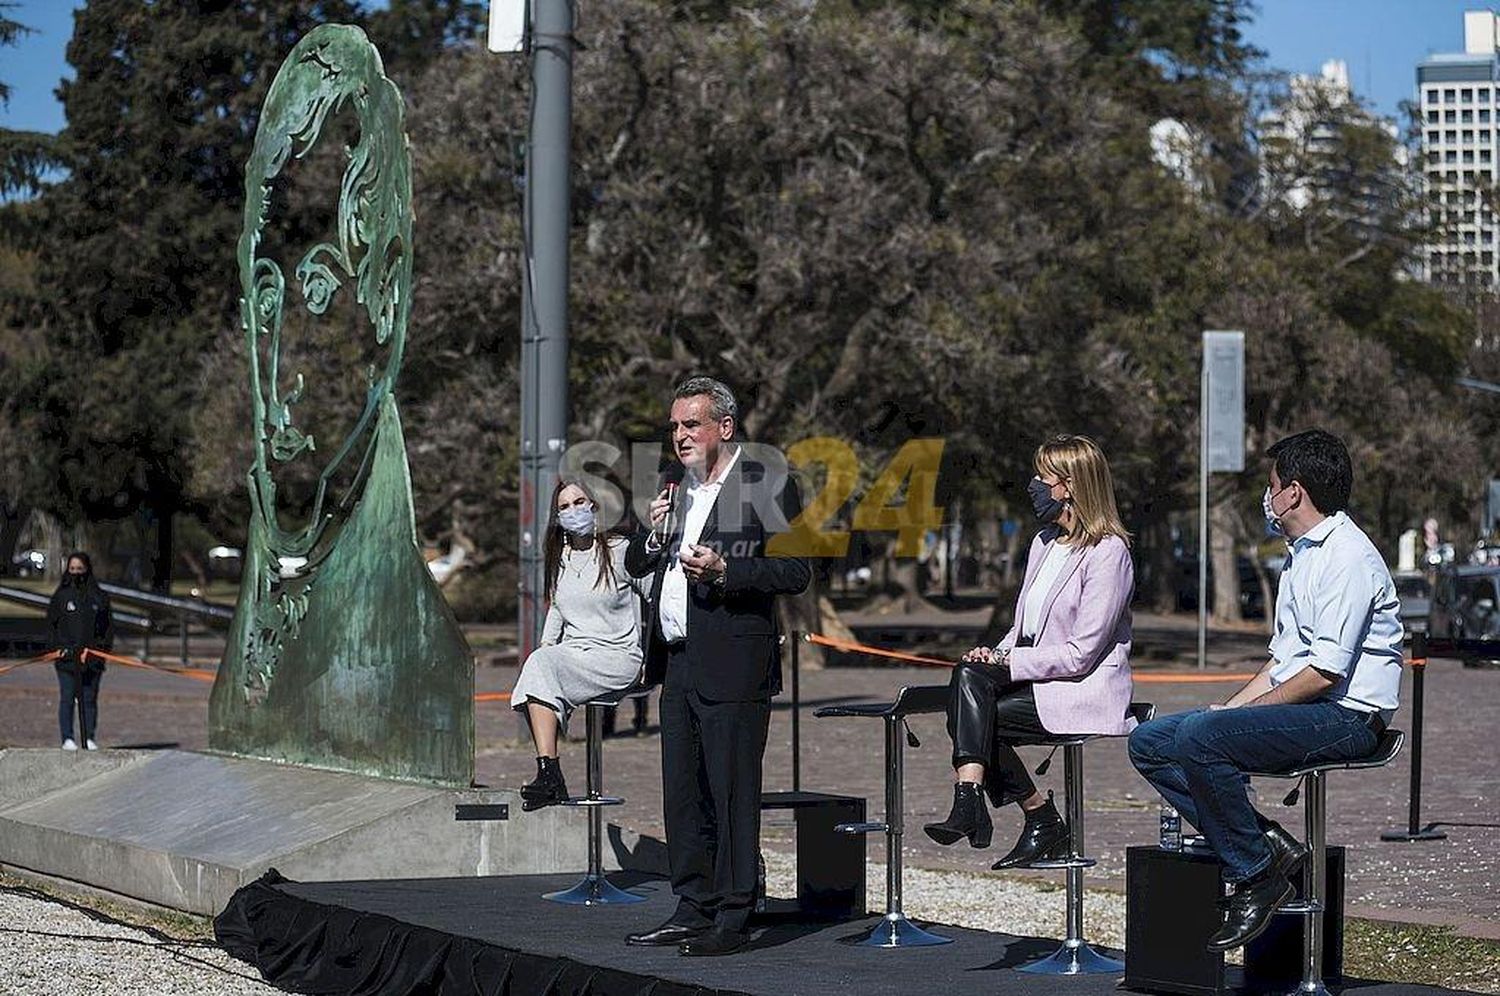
(1381, 40)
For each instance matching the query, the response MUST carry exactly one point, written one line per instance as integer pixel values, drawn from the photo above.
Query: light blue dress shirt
(1336, 610)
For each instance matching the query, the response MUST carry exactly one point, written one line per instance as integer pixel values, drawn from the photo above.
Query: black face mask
(1046, 507)
(76, 580)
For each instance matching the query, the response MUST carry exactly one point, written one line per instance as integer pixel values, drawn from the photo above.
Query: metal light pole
(544, 300)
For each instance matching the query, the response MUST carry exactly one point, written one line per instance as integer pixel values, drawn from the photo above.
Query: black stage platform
(498, 936)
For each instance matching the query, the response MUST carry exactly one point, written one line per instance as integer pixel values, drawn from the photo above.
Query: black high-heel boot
(1044, 837)
(547, 788)
(970, 818)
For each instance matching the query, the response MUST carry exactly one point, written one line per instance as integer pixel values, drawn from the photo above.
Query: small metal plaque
(482, 811)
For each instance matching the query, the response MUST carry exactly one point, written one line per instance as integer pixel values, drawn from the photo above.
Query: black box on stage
(1171, 912)
(1273, 961)
(830, 865)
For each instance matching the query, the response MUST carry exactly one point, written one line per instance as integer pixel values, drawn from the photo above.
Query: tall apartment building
(1458, 98)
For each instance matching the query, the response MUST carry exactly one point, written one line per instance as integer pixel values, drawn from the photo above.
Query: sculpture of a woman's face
(332, 70)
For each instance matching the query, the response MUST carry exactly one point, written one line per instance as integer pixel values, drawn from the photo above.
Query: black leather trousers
(988, 715)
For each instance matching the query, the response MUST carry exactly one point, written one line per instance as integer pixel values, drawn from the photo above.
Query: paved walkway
(1454, 882)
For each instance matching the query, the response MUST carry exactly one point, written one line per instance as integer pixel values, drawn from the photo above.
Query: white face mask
(1273, 521)
(579, 521)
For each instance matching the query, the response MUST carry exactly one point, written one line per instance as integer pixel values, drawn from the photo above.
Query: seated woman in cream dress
(591, 642)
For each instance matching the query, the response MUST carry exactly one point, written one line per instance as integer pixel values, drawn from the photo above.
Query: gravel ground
(48, 945)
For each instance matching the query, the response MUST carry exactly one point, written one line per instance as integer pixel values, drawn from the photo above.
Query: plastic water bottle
(1171, 828)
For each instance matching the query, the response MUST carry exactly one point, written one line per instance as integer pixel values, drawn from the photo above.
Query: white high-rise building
(1458, 98)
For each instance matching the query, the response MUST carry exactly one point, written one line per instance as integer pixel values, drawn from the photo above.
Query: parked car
(1415, 594)
(1464, 603)
(29, 563)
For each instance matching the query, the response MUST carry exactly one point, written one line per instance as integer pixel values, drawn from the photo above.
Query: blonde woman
(1064, 667)
(591, 639)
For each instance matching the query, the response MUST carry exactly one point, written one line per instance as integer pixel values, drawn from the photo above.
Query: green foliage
(877, 218)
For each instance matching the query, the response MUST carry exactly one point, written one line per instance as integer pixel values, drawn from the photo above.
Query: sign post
(1221, 421)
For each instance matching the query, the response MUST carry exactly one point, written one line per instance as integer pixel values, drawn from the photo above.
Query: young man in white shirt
(1327, 692)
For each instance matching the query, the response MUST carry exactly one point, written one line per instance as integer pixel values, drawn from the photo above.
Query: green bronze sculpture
(343, 653)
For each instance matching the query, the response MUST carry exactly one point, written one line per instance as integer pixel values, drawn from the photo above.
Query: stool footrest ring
(863, 827)
(1061, 863)
(585, 801)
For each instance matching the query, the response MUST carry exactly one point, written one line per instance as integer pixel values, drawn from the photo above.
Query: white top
(1041, 585)
(701, 496)
(583, 613)
(1336, 610)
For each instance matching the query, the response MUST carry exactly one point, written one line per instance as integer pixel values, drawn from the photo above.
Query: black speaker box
(1170, 913)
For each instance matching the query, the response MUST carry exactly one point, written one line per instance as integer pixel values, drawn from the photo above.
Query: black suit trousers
(711, 784)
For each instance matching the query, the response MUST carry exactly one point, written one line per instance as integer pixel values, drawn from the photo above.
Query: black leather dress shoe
(1249, 911)
(1287, 852)
(714, 943)
(667, 934)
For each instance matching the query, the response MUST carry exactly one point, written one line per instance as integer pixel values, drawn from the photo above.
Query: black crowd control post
(796, 712)
(1414, 829)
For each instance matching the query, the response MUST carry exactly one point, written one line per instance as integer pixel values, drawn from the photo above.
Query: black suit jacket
(733, 647)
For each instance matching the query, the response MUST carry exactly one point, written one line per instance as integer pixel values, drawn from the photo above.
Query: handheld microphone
(670, 481)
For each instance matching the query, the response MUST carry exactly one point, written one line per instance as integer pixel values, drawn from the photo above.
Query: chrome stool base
(594, 890)
(1074, 958)
(1315, 989)
(895, 931)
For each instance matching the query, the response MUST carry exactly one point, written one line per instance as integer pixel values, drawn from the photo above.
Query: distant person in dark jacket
(79, 620)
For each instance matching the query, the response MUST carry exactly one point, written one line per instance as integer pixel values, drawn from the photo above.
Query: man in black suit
(711, 640)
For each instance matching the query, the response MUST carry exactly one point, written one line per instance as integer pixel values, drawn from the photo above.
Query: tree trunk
(53, 544)
(1156, 584)
(1003, 612)
(1009, 577)
(12, 518)
(161, 559)
(902, 593)
(1226, 574)
(812, 612)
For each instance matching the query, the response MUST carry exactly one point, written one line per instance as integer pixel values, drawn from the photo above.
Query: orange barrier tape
(492, 696)
(196, 673)
(50, 655)
(860, 648)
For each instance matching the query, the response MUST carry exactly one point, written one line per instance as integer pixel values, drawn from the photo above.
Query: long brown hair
(1079, 461)
(552, 547)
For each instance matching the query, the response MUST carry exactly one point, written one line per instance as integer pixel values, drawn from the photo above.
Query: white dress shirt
(1041, 585)
(700, 496)
(1336, 610)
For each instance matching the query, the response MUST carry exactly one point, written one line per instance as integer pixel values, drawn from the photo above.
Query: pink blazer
(1081, 660)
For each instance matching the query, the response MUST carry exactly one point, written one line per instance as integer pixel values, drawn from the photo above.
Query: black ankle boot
(547, 789)
(970, 818)
(1044, 837)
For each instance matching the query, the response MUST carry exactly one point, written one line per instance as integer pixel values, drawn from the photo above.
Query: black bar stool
(1075, 956)
(1314, 870)
(894, 930)
(594, 889)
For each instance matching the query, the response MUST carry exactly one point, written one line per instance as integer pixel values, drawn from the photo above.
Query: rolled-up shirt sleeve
(1335, 629)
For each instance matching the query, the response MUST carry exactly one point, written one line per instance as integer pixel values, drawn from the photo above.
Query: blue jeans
(81, 687)
(1197, 760)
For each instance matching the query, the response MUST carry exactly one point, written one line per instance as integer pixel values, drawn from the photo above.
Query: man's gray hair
(721, 398)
